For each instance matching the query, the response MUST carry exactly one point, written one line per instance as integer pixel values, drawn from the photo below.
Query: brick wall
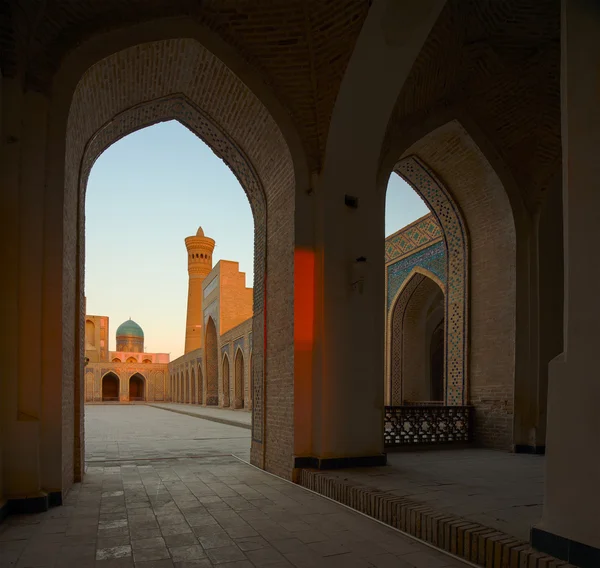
(478, 192)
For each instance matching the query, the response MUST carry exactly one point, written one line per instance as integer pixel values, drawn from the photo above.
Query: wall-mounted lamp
(358, 271)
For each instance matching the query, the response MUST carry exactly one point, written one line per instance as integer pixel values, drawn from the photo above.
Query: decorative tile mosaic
(411, 238)
(432, 258)
(449, 218)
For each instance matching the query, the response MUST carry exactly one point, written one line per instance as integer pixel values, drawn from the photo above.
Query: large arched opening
(475, 220)
(137, 388)
(110, 387)
(239, 380)
(86, 120)
(225, 397)
(212, 364)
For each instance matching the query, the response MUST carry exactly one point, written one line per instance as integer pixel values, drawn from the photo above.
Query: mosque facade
(126, 375)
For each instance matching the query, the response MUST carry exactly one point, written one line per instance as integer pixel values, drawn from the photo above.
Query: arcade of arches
(488, 110)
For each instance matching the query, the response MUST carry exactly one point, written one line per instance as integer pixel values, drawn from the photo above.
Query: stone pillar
(31, 460)
(341, 403)
(569, 527)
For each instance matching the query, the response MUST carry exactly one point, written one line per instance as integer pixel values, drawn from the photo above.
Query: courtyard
(163, 489)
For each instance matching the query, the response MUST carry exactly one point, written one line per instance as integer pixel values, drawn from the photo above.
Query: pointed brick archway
(239, 380)
(111, 386)
(212, 364)
(226, 398)
(137, 388)
(247, 138)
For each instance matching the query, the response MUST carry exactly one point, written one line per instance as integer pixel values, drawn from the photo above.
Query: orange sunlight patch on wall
(304, 298)
(304, 319)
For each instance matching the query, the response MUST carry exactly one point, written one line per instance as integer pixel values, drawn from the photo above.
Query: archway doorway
(418, 313)
(249, 141)
(200, 386)
(110, 388)
(239, 380)
(212, 364)
(226, 401)
(137, 388)
(193, 386)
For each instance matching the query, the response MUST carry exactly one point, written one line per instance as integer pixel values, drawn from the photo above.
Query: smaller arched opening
(116, 360)
(110, 388)
(90, 334)
(137, 388)
(226, 401)
(417, 366)
(200, 385)
(147, 361)
(131, 360)
(212, 363)
(186, 388)
(238, 401)
(193, 386)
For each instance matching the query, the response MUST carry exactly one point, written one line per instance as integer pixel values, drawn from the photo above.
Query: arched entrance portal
(136, 388)
(212, 369)
(110, 388)
(417, 343)
(226, 401)
(239, 380)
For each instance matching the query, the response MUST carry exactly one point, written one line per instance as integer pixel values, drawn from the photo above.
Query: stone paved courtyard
(163, 490)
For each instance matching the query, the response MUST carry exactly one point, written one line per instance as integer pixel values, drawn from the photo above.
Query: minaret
(200, 249)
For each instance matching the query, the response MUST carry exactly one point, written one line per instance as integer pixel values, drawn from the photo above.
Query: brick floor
(162, 490)
(497, 489)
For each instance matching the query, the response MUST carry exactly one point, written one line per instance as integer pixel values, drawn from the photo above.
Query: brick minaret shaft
(200, 249)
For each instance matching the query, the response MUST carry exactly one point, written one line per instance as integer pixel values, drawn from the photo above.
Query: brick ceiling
(500, 62)
(498, 59)
(301, 48)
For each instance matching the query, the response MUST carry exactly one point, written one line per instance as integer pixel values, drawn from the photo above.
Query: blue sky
(145, 194)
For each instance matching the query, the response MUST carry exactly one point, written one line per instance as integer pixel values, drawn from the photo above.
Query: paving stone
(224, 554)
(187, 553)
(193, 512)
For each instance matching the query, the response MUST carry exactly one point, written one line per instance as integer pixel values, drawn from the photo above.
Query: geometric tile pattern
(449, 218)
(432, 258)
(411, 238)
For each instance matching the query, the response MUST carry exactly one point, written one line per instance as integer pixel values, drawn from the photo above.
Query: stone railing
(427, 424)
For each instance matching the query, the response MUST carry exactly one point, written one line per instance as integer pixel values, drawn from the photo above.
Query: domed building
(128, 374)
(130, 337)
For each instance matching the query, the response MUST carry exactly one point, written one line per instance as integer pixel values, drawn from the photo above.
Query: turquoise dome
(129, 327)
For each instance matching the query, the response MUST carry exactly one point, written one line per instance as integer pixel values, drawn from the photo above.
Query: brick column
(569, 528)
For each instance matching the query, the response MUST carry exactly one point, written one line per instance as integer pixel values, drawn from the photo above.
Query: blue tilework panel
(411, 238)
(432, 258)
